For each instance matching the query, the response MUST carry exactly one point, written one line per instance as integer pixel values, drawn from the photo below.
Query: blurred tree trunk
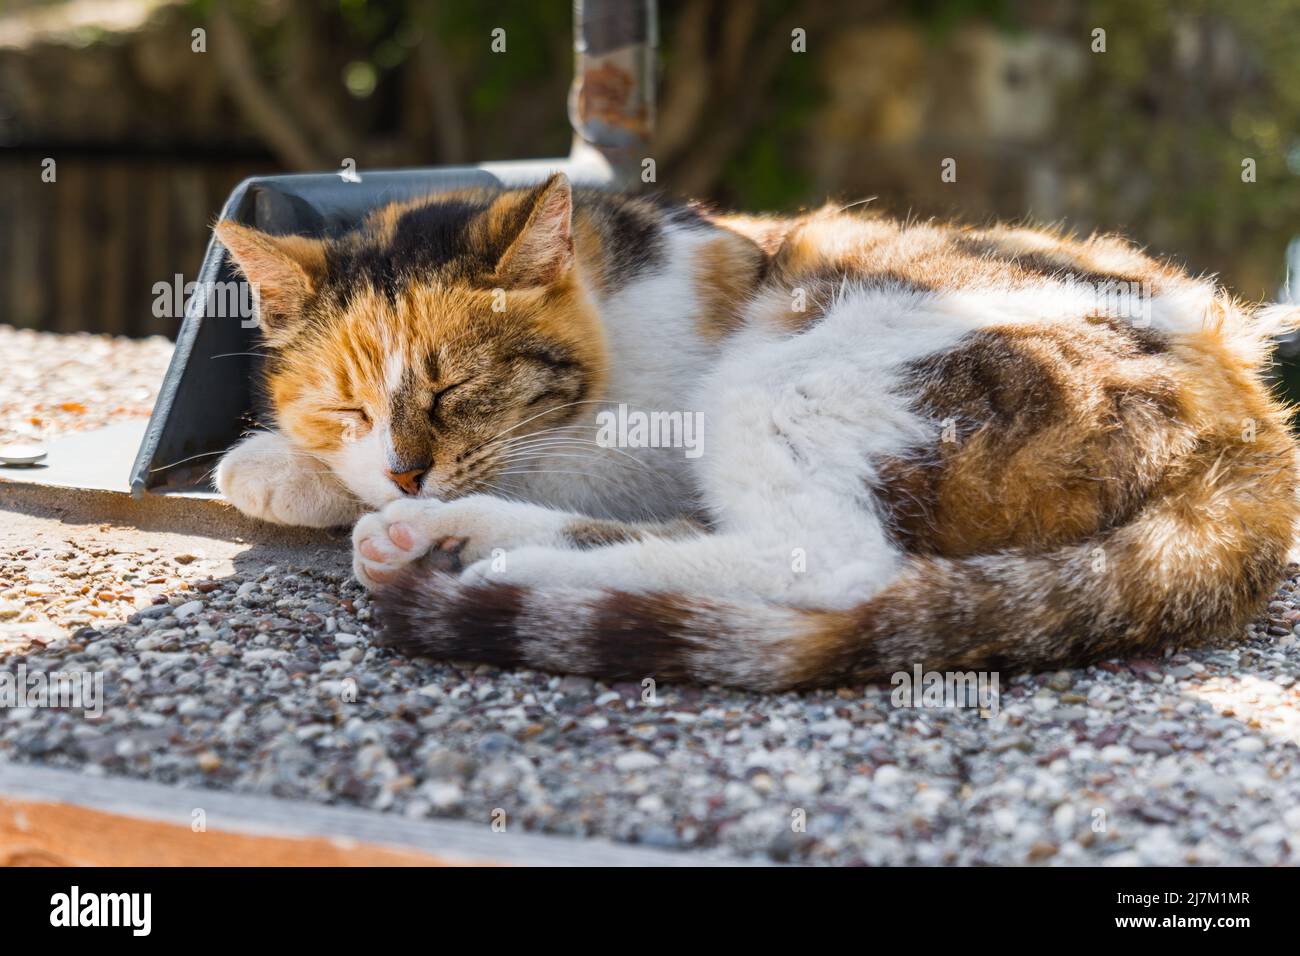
(723, 61)
(259, 104)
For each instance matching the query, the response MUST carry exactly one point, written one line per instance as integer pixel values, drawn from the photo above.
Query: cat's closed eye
(558, 376)
(543, 396)
(440, 395)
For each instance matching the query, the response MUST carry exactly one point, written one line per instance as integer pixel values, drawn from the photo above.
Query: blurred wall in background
(1143, 129)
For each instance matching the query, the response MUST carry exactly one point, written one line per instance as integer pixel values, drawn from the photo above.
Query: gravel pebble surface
(55, 384)
(225, 666)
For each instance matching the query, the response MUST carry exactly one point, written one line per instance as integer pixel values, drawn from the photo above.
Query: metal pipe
(612, 99)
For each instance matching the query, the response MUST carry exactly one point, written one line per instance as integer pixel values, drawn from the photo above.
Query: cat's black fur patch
(436, 236)
(424, 240)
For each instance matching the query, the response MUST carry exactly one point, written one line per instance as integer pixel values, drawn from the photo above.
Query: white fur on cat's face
(360, 465)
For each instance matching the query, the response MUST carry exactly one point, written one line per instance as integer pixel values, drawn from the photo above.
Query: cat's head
(412, 352)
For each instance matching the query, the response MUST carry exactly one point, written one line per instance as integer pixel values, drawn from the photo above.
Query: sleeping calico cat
(918, 444)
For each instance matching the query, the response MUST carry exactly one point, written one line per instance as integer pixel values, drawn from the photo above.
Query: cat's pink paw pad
(402, 535)
(383, 545)
(370, 549)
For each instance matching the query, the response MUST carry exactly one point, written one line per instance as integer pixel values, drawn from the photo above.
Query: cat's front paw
(472, 528)
(266, 478)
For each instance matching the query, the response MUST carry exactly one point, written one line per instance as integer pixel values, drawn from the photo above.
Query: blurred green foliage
(1186, 91)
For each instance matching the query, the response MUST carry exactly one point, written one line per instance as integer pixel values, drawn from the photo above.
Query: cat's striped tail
(1194, 564)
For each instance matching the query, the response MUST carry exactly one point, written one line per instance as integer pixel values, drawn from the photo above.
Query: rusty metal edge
(448, 841)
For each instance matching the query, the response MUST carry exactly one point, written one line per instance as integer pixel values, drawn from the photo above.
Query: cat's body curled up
(916, 444)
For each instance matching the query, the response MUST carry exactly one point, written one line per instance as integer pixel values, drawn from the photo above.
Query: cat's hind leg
(267, 478)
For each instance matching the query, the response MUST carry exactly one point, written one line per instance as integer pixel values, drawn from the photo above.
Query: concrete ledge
(63, 818)
(208, 517)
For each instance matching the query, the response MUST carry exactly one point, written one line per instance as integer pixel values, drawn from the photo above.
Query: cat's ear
(284, 271)
(542, 251)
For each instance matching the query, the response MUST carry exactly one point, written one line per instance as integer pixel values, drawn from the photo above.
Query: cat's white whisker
(173, 464)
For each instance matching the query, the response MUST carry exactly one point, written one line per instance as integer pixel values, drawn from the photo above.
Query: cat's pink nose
(408, 481)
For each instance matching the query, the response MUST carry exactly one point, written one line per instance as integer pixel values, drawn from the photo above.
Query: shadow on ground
(256, 673)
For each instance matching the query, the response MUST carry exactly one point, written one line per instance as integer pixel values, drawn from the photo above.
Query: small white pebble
(635, 760)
